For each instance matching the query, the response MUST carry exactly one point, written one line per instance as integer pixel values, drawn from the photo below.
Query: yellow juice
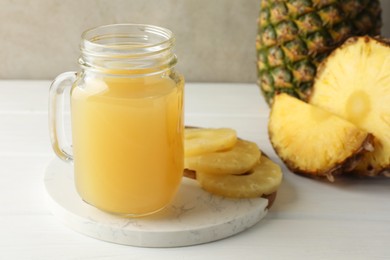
(128, 142)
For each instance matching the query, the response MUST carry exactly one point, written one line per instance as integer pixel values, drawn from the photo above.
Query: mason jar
(126, 118)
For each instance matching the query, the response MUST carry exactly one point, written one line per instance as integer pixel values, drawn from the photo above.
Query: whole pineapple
(294, 36)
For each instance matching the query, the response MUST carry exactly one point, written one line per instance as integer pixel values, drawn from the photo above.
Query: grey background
(215, 38)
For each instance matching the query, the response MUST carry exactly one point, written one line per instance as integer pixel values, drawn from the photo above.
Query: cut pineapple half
(206, 140)
(354, 83)
(263, 179)
(313, 141)
(237, 160)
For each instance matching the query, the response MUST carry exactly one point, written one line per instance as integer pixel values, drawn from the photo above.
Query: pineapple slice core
(358, 106)
(354, 83)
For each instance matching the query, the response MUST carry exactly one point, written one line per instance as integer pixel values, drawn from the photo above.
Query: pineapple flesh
(354, 83)
(239, 170)
(264, 179)
(237, 160)
(207, 140)
(312, 141)
(294, 36)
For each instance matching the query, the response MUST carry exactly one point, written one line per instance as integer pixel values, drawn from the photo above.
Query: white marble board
(195, 216)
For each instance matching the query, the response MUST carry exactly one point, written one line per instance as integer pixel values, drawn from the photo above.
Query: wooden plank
(200, 98)
(225, 99)
(24, 96)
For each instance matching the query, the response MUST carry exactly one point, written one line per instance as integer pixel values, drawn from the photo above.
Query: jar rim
(126, 48)
(126, 38)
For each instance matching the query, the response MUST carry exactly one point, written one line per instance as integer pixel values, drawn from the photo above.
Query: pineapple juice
(128, 142)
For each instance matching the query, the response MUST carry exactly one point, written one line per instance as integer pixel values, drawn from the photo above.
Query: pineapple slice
(240, 159)
(263, 179)
(205, 140)
(313, 141)
(354, 83)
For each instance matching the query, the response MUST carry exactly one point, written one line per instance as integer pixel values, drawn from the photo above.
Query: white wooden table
(309, 220)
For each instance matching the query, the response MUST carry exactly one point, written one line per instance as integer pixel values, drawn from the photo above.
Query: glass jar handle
(56, 115)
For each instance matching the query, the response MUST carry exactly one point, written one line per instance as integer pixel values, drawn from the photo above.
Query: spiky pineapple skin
(294, 36)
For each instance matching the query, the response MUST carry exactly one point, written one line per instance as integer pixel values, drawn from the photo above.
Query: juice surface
(128, 142)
